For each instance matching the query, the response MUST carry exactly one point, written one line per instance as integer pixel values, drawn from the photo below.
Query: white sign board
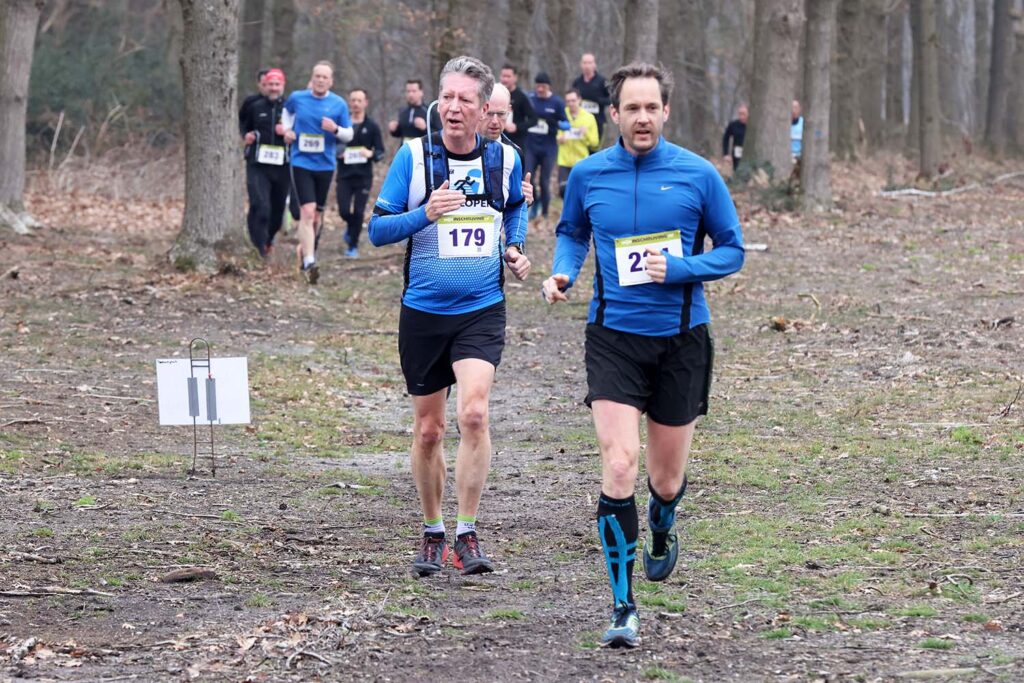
(230, 389)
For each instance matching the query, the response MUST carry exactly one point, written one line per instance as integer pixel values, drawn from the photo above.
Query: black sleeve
(397, 132)
(604, 98)
(529, 116)
(378, 143)
(245, 117)
(725, 140)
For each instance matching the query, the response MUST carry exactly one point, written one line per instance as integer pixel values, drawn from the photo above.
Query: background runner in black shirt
(266, 172)
(355, 176)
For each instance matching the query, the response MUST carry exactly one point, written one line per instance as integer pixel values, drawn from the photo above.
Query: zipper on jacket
(636, 191)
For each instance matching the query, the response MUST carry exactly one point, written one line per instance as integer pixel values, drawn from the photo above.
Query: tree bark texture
(518, 53)
(19, 20)
(777, 28)
(641, 31)
(956, 55)
(251, 44)
(914, 130)
(872, 70)
(209, 66)
(1015, 121)
(894, 69)
(982, 60)
(999, 76)
(282, 50)
(815, 167)
(846, 135)
(696, 81)
(931, 107)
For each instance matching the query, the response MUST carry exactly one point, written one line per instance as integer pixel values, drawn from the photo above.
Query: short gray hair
(475, 69)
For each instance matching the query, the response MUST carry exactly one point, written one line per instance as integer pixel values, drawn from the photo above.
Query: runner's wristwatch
(518, 246)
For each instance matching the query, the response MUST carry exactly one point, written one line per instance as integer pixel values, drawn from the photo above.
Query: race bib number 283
(270, 154)
(631, 254)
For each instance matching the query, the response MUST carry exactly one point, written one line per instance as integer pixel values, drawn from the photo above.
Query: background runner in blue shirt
(315, 121)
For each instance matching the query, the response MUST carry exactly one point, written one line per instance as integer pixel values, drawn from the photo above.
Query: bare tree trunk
(251, 43)
(815, 166)
(894, 71)
(1016, 122)
(698, 87)
(999, 77)
(931, 131)
(872, 70)
(209, 66)
(847, 81)
(956, 54)
(914, 130)
(282, 51)
(641, 32)
(777, 28)
(520, 17)
(19, 20)
(671, 53)
(568, 39)
(982, 60)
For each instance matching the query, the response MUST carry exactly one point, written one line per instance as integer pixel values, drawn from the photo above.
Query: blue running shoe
(624, 629)
(660, 554)
(352, 252)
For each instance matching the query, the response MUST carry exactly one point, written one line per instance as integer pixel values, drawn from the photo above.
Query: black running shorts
(312, 187)
(669, 378)
(428, 344)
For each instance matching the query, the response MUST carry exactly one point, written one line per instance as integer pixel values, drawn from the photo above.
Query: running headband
(274, 73)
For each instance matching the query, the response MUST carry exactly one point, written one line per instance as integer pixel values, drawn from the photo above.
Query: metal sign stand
(193, 400)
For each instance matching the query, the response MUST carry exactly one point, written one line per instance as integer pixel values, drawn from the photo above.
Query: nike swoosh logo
(666, 187)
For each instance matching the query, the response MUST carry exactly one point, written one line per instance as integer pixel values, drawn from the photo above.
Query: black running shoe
(469, 558)
(433, 555)
(311, 273)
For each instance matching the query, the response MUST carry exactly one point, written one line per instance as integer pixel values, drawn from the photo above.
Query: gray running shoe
(469, 558)
(433, 555)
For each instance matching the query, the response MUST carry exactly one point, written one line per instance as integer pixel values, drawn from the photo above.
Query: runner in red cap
(267, 177)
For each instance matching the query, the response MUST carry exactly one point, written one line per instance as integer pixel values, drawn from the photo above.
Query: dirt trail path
(856, 508)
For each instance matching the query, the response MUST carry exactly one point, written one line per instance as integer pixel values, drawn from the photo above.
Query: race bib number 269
(311, 143)
(631, 254)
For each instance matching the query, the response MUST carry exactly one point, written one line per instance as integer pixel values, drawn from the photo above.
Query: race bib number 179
(631, 254)
(465, 235)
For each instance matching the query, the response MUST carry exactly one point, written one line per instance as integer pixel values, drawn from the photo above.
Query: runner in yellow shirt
(577, 143)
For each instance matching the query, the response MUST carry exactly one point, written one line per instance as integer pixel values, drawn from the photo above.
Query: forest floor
(855, 511)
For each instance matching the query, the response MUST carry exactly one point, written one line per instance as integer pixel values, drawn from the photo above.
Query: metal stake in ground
(193, 400)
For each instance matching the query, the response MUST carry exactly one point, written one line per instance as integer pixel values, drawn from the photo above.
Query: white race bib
(311, 143)
(572, 134)
(540, 129)
(466, 233)
(354, 155)
(270, 154)
(737, 151)
(631, 254)
(592, 107)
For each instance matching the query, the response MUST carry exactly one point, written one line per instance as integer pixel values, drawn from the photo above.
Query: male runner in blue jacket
(648, 205)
